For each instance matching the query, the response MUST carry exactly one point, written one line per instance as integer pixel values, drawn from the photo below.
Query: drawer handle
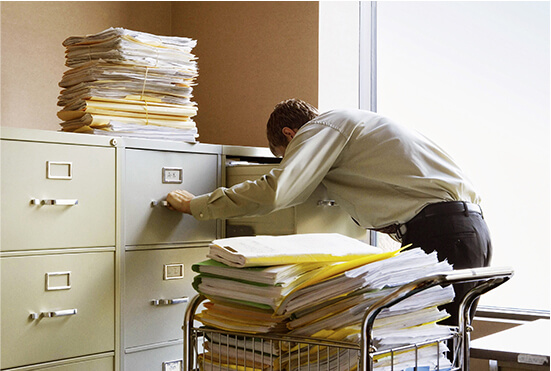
(55, 313)
(159, 203)
(54, 202)
(158, 302)
(327, 203)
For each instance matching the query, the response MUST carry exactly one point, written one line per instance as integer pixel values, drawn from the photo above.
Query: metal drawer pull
(60, 202)
(54, 202)
(56, 313)
(157, 203)
(60, 313)
(158, 302)
(185, 299)
(327, 203)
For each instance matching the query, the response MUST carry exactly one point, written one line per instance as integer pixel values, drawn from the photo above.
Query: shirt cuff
(198, 207)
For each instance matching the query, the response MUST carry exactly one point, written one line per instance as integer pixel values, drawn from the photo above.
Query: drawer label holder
(58, 281)
(173, 271)
(59, 170)
(173, 175)
(176, 365)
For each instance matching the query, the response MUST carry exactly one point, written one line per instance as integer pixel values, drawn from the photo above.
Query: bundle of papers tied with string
(129, 83)
(322, 297)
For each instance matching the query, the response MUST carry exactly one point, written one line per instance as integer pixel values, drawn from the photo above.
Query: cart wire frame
(314, 354)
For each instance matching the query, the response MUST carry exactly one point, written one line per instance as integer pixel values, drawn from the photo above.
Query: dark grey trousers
(461, 238)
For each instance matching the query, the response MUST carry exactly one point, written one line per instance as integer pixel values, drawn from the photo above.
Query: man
(388, 178)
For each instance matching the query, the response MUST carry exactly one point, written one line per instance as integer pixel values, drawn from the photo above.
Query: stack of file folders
(319, 286)
(129, 83)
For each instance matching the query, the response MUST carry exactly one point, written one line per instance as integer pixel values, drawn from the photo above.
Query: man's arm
(307, 160)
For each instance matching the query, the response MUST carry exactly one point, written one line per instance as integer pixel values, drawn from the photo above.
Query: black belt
(452, 207)
(437, 209)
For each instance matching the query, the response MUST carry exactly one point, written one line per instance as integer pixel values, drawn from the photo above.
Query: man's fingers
(179, 200)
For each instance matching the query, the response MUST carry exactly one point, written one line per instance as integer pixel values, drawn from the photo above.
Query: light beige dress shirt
(381, 173)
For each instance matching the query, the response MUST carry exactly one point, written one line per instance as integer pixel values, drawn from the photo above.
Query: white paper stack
(129, 83)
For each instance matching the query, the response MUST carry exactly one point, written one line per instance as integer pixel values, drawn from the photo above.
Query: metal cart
(246, 352)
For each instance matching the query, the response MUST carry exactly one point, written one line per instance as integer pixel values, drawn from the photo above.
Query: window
(474, 77)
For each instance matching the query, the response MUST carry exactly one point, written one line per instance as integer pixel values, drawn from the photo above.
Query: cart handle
(187, 327)
(491, 277)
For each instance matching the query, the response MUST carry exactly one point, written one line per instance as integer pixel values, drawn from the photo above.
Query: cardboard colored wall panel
(251, 56)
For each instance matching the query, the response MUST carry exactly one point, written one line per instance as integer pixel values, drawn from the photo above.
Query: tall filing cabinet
(95, 269)
(57, 253)
(160, 246)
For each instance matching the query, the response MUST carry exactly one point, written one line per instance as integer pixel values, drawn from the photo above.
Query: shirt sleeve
(309, 156)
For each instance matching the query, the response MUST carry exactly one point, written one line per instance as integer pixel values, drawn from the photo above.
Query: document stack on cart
(316, 287)
(129, 83)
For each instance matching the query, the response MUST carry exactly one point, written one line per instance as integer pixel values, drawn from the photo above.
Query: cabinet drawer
(162, 359)
(320, 214)
(91, 363)
(57, 196)
(317, 214)
(56, 306)
(157, 290)
(150, 176)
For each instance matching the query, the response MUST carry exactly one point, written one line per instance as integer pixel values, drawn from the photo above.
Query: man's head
(287, 117)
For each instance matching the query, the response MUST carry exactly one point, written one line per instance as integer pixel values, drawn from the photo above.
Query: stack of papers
(251, 251)
(319, 286)
(129, 83)
(228, 353)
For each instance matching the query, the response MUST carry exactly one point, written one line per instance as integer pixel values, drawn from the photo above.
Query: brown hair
(291, 113)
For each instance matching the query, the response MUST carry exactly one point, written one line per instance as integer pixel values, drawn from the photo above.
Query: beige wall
(251, 55)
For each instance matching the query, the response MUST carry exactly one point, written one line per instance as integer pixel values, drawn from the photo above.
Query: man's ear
(289, 133)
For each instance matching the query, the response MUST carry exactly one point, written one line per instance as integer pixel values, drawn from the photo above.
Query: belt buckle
(401, 231)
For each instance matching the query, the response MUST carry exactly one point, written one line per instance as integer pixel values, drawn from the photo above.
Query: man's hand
(179, 201)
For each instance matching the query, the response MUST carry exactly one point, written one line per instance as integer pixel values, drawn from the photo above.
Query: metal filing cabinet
(57, 252)
(160, 246)
(96, 271)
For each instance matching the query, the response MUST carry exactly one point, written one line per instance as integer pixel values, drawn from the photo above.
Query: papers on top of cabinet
(129, 83)
(134, 47)
(132, 130)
